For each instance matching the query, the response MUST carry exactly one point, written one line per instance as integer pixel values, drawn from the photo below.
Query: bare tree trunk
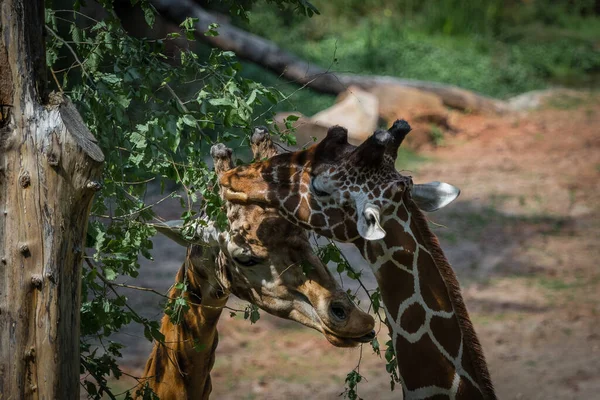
(270, 56)
(49, 166)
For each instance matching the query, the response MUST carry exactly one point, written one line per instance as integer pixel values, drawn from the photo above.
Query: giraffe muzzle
(343, 323)
(366, 338)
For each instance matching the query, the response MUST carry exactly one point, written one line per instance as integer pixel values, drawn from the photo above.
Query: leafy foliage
(352, 380)
(391, 365)
(331, 253)
(155, 119)
(252, 313)
(176, 307)
(152, 116)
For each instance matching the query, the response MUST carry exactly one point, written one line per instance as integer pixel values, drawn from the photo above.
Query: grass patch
(473, 222)
(381, 48)
(565, 102)
(556, 284)
(446, 235)
(490, 46)
(409, 161)
(490, 318)
(436, 134)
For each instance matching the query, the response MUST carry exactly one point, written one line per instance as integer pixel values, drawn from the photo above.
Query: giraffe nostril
(338, 312)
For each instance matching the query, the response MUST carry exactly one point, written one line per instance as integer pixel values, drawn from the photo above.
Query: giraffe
(355, 194)
(180, 368)
(259, 260)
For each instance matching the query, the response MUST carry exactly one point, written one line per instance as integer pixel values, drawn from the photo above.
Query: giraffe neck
(180, 368)
(437, 351)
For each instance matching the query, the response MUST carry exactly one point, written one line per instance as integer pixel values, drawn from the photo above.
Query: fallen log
(267, 54)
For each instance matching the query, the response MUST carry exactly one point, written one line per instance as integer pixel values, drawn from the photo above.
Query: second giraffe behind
(355, 194)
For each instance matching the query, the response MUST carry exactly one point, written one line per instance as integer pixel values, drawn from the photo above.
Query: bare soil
(523, 238)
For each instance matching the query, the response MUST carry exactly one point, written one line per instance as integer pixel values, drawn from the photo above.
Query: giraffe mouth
(366, 338)
(341, 341)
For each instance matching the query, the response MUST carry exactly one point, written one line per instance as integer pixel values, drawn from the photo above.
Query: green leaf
(189, 120)
(155, 332)
(138, 140)
(212, 30)
(221, 102)
(375, 346)
(91, 388)
(77, 4)
(188, 23)
(148, 333)
(376, 300)
(252, 97)
(110, 274)
(307, 267)
(75, 33)
(252, 313)
(148, 13)
(198, 347)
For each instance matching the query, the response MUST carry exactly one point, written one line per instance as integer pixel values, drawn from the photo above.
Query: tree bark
(270, 56)
(49, 167)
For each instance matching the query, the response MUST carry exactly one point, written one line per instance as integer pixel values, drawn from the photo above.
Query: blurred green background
(496, 47)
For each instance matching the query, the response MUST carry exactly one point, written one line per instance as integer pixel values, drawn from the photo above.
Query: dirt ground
(523, 238)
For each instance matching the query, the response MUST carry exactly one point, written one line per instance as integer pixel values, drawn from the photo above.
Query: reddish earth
(523, 238)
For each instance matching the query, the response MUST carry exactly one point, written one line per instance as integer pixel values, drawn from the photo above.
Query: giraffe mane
(473, 346)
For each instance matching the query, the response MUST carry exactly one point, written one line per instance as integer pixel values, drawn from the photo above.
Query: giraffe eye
(247, 261)
(316, 191)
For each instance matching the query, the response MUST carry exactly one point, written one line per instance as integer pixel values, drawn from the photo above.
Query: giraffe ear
(368, 223)
(432, 196)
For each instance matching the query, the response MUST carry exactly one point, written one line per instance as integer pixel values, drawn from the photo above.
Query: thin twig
(98, 380)
(136, 182)
(350, 266)
(172, 93)
(317, 76)
(436, 224)
(145, 289)
(362, 285)
(56, 81)
(78, 13)
(70, 49)
(148, 206)
(286, 268)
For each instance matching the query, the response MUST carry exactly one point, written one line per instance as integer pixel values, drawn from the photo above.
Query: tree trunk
(49, 166)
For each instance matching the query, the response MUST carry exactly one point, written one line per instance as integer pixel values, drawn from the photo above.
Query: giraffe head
(271, 263)
(334, 188)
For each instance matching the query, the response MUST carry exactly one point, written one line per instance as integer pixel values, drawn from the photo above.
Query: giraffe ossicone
(355, 194)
